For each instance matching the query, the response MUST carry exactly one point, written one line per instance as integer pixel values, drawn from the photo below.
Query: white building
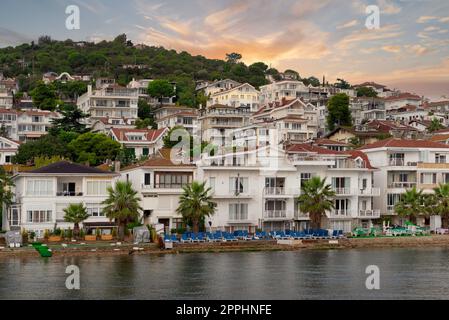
(172, 116)
(33, 124)
(404, 164)
(111, 101)
(141, 86)
(142, 142)
(381, 90)
(367, 109)
(8, 149)
(42, 194)
(259, 188)
(159, 182)
(244, 95)
(402, 99)
(209, 88)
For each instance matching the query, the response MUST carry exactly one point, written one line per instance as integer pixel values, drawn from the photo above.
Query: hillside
(107, 58)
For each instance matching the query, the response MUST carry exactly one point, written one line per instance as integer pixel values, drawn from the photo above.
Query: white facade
(404, 164)
(33, 124)
(109, 101)
(244, 95)
(8, 149)
(143, 142)
(41, 196)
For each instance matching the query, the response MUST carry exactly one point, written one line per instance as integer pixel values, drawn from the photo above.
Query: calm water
(405, 274)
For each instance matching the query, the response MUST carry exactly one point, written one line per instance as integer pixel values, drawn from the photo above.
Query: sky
(409, 50)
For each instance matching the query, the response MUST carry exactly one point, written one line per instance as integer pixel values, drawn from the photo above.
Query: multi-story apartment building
(104, 125)
(295, 120)
(367, 109)
(172, 116)
(404, 164)
(402, 99)
(244, 95)
(218, 122)
(6, 98)
(141, 86)
(159, 182)
(209, 88)
(407, 113)
(33, 124)
(109, 100)
(381, 90)
(42, 194)
(142, 142)
(259, 188)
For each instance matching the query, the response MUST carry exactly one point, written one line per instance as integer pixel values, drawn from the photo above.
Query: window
(396, 159)
(440, 158)
(428, 178)
(173, 180)
(305, 177)
(392, 199)
(145, 151)
(37, 216)
(178, 224)
(238, 211)
(212, 183)
(147, 179)
(39, 187)
(364, 184)
(97, 187)
(238, 185)
(8, 159)
(341, 206)
(94, 210)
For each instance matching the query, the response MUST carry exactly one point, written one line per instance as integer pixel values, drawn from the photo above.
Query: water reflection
(405, 273)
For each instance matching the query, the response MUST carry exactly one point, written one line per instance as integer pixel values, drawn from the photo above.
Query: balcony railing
(274, 191)
(164, 186)
(69, 194)
(342, 191)
(369, 192)
(396, 162)
(275, 214)
(238, 216)
(339, 214)
(369, 213)
(402, 185)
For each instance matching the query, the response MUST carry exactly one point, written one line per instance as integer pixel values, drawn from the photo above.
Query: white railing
(274, 191)
(342, 191)
(238, 216)
(301, 158)
(369, 213)
(339, 214)
(369, 192)
(397, 162)
(400, 185)
(275, 214)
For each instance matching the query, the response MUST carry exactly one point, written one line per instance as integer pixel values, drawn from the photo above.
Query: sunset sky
(410, 51)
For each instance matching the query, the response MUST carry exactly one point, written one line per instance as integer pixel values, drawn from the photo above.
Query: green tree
(144, 123)
(93, 147)
(122, 205)
(6, 194)
(160, 89)
(144, 110)
(411, 204)
(435, 125)
(338, 111)
(70, 120)
(233, 57)
(75, 213)
(342, 84)
(46, 146)
(43, 161)
(44, 96)
(316, 198)
(442, 203)
(366, 92)
(313, 81)
(195, 203)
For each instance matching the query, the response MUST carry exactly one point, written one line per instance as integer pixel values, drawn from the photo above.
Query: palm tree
(442, 202)
(195, 204)
(75, 213)
(6, 195)
(411, 204)
(316, 198)
(122, 205)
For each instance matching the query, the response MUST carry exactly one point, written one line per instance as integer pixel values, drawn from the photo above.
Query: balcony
(275, 214)
(402, 185)
(298, 160)
(301, 216)
(342, 191)
(238, 217)
(371, 192)
(372, 214)
(335, 214)
(274, 191)
(68, 194)
(401, 163)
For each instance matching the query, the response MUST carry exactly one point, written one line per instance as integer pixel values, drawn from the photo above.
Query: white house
(42, 194)
(244, 95)
(143, 142)
(8, 148)
(404, 164)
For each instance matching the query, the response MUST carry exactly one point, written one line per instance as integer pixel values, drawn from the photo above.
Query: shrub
(82, 233)
(114, 233)
(32, 235)
(46, 234)
(98, 232)
(69, 233)
(24, 236)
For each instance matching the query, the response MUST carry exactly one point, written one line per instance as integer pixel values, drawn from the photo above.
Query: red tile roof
(403, 96)
(150, 134)
(329, 142)
(310, 148)
(354, 154)
(402, 143)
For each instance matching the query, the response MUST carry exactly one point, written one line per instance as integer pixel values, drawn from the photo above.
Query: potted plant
(32, 235)
(90, 237)
(46, 234)
(98, 233)
(69, 234)
(24, 237)
(106, 237)
(55, 236)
